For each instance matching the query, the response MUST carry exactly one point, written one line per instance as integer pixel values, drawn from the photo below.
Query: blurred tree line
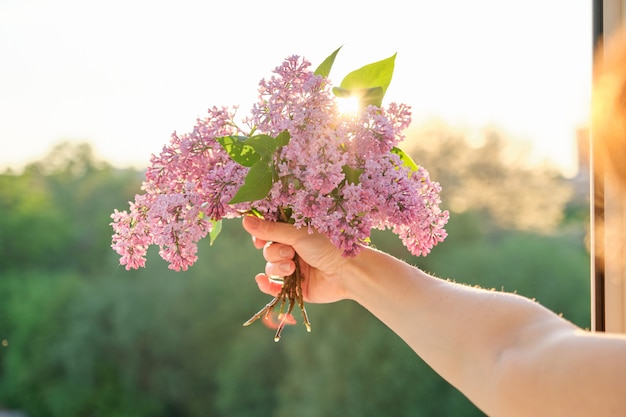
(81, 336)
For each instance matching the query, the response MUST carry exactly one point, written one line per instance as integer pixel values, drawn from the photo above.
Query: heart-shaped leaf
(239, 150)
(352, 175)
(257, 184)
(263, 145)
(375, 75)
(283, 138)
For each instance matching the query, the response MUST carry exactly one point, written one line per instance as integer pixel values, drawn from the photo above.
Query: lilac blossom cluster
(338, 175)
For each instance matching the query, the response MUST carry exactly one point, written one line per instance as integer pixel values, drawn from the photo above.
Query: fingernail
(252, 222)
(284, 267)
(285, 252)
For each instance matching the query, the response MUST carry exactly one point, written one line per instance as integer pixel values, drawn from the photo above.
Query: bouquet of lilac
(295, 159)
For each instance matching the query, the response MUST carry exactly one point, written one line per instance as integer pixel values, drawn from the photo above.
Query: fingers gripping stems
(289, 295)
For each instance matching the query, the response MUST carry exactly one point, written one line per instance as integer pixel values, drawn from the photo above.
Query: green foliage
(33, 314)
(79, 335)
(247, 379)
(147, 342)
(32, 226)
(56, 214)
(491, 176)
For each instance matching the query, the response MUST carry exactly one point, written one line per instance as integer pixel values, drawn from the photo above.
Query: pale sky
(124, 74)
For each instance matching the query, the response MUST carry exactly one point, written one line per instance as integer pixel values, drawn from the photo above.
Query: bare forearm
(458, 330)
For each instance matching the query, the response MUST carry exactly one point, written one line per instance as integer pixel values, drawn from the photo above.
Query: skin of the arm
(508, 354)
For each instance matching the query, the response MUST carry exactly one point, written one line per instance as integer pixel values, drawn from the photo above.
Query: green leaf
(325, 67)
(376, 74)
(255, 212)
(283, 138)
(264, 146)
(366, 96)
(239, 150)
(215, 231)
(257, 184)
(352, 174)
(342, 92)
(407, 161)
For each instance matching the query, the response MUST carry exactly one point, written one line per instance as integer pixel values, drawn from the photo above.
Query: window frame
(608, 207)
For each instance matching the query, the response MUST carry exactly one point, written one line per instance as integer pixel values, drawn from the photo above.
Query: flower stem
(290, 294)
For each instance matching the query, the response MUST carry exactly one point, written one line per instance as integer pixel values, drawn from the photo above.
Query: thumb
(273, 231)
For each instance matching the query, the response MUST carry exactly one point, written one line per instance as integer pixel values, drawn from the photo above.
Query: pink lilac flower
(188, 185)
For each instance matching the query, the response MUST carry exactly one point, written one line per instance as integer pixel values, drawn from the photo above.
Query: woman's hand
(321, 263)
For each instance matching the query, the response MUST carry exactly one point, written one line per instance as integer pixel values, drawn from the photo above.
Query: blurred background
(89, 90)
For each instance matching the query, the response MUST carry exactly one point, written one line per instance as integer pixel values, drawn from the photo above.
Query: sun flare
(348, 105)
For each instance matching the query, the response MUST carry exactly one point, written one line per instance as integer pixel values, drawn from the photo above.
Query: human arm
(506, 353)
